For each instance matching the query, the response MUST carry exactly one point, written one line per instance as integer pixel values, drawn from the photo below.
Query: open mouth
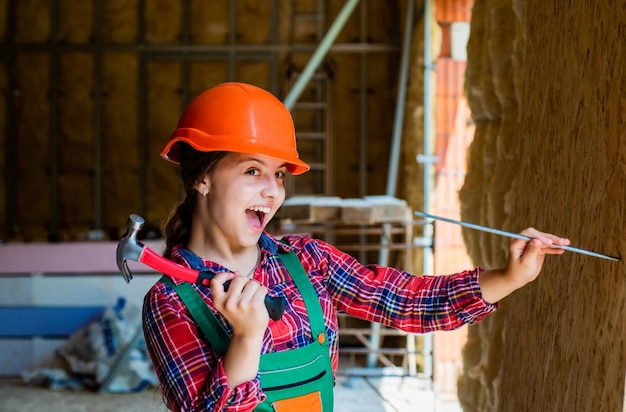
(256, 215)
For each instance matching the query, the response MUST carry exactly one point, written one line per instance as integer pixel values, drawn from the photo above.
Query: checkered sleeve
(416, 304)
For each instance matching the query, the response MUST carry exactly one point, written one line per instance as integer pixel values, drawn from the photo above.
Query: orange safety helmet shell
(237, 117)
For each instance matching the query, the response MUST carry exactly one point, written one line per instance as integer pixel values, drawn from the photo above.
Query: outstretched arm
(525, 262)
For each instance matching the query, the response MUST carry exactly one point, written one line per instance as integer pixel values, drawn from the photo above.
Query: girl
(215, 348)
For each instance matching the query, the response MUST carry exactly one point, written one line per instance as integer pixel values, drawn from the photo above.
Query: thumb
(532, 256)
(533, 248)
(217, 283)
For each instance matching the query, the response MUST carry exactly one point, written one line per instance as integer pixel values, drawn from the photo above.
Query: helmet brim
(244, 144)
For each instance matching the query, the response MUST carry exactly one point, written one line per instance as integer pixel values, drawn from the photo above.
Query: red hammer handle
(275, 305)
(166, 266)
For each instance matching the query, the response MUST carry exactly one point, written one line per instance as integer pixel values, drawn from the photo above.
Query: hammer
(130, 248)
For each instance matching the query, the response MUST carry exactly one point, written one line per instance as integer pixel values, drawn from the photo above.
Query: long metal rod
(428, 253)
(319, 53)
(398, 122)
(515, 236)
(392, 171)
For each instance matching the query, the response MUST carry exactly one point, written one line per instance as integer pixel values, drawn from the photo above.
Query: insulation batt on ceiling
(98, 86)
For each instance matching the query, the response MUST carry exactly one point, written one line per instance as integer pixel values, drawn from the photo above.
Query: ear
(203, 186)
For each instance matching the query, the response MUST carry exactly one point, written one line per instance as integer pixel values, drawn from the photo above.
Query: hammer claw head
(129, 247)
(126, 272)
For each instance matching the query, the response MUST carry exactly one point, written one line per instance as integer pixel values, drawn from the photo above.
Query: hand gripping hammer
(130, 248)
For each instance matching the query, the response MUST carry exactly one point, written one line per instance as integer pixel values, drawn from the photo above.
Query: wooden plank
(67, 257)
(44, 321)
(90, 290)
(356, 211)
(387, 209)
(311, 209)
(16, 290)
(374, 209)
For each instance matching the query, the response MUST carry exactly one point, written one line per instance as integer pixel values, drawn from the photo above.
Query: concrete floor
(389, 394)
(352, 394)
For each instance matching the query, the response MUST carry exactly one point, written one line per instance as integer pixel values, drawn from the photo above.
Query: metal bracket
(430, 159)
(423, 241)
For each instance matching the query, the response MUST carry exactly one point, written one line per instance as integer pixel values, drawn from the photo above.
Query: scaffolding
(372, 345)
(186, 53)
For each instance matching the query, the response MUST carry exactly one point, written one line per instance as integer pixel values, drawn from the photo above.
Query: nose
(272, 187)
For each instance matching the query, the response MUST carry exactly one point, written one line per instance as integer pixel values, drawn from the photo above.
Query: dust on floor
(352, 394)
(17, 397)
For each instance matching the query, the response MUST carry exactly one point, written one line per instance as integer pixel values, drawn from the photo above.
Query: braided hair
(194, 165)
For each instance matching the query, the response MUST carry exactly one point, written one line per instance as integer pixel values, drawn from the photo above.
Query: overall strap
(214, 331)
(202, 314)
(303, 283)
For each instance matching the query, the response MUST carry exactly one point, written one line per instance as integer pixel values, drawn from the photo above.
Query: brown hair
(194, 165)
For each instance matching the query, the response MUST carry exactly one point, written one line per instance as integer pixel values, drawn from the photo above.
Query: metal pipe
(428, 158)
(428, 253)
(375, 327)
(392, 174)
(383, 255)
(319, 54)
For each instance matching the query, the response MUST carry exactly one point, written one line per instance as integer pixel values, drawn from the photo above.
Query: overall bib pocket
(306, 403)
(292, 384)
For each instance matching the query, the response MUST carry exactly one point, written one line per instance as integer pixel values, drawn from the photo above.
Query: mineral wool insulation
(546, 87)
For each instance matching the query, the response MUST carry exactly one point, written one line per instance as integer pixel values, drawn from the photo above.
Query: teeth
(260, 209)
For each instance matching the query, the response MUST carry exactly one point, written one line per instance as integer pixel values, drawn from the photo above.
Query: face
(245, 191)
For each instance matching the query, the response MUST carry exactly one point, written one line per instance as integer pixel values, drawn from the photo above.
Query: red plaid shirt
(191, 373)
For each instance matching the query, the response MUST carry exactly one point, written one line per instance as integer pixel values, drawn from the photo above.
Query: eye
(280, 174)
(253, 172)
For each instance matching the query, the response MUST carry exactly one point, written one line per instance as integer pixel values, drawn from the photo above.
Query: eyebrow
(254, 159)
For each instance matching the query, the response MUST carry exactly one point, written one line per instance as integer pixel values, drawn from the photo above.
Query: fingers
(240, 287)
(526, 257)
(544, 242)
(244, 297)
(252, 293)
(545, 238)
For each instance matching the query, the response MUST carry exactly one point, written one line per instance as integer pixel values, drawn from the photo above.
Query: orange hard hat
(237, 117)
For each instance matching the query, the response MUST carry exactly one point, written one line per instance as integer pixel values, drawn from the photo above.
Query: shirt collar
(267, 242)
(272, 245)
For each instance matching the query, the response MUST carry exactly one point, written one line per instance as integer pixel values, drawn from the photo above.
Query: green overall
(293, 380)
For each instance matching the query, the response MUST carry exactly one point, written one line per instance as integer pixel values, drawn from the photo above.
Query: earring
(205, 192)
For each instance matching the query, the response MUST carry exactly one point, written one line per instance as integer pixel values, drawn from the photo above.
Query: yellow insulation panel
(545, 86)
